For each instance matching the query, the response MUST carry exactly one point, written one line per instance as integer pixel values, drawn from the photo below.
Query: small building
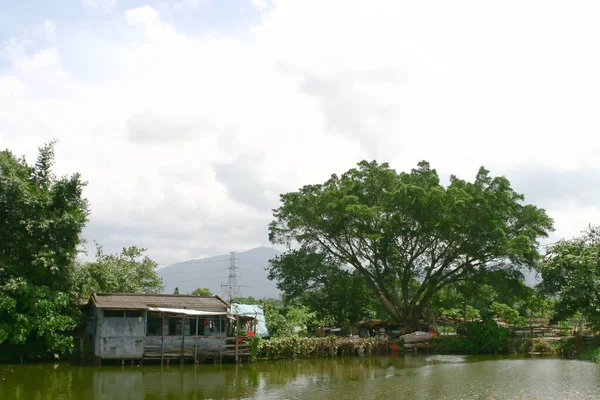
(257, 313)
(162, 326)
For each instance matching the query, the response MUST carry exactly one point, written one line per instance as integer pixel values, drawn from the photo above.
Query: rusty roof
(139, 301)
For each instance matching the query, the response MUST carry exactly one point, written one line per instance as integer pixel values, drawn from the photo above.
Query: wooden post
(162, 331)
(531, 327)
(221, 335)
(81, 346)
(237, 337)
(196, 343)
(182, 337)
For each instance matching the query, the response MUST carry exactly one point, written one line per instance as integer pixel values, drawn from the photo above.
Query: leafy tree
(336, 295)
(287, 320)
(247, 300)
(571, 271)
(41, 219)
(398, 228)
(176, 291)
(482, 288)
(202, 292)
(127, 272)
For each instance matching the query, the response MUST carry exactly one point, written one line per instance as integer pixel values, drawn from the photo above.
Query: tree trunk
(411, 319)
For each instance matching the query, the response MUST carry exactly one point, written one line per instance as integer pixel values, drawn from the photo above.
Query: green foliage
(595, 356)
(486, 336)
(338, 297)
(130, 271)
(571, 271)
(298, 347)
(505, 312)
(533, 345)
(250, 300)
(41, 218)
(398, 228)
(202, 292)
(255, 345)
(287, 321)
(34, 320)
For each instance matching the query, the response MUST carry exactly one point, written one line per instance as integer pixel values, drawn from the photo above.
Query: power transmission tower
(232, 287)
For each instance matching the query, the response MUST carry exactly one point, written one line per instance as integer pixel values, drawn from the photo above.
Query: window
(114, 313)
(174, 326)
(134, 314)
(154, 325)
(190, 327)
(123, 314)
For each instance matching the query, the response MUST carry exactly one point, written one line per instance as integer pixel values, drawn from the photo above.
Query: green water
(408, 377)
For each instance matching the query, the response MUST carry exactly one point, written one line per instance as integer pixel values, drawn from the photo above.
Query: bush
(299, 347)
(486, 336)
(507, 313)
(596, 355)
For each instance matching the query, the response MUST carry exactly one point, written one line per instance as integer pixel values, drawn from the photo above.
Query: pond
(404, 377)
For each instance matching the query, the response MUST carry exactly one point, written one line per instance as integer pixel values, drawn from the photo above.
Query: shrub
(596, 355)
(486, 336)
(255, 345)
(298, 347)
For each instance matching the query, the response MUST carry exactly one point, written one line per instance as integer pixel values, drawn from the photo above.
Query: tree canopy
(395, 229)
(130, 271)
(570, 270)
(41, 219)
(202, 292)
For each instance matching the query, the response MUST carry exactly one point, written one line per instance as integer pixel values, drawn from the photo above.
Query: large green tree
(337, 296)
(41, 219)
(130, 271)
(397, 228)
(571, 272)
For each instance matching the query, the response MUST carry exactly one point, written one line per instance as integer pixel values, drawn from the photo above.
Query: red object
(394, 347)
(250, 334)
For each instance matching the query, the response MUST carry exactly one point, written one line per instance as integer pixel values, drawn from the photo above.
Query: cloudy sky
(189, 117)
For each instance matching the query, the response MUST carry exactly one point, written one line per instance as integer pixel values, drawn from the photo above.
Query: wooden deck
(196, 348)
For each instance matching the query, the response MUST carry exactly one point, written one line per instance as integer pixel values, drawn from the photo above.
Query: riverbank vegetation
(371, 244)
(304, 347)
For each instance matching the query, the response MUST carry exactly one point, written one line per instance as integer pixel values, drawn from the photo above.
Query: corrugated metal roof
(130, 301)
(254, 311)
(188, 312)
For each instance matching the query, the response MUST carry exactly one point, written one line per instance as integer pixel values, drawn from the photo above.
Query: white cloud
(187, 139)
(144, 15)
(49, 27)
(260, 4)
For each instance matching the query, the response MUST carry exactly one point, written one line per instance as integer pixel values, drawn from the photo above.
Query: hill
(212, 272)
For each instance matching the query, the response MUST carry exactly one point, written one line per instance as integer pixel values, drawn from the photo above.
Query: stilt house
(161, 326)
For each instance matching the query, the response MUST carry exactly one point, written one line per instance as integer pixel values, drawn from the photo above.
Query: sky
(188, 118)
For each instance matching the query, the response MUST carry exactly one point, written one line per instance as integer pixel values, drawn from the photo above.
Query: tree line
(371, 243)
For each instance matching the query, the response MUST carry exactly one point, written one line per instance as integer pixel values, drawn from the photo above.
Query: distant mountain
(212, 272)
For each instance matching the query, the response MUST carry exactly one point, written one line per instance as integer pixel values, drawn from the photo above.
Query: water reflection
(407, 377)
